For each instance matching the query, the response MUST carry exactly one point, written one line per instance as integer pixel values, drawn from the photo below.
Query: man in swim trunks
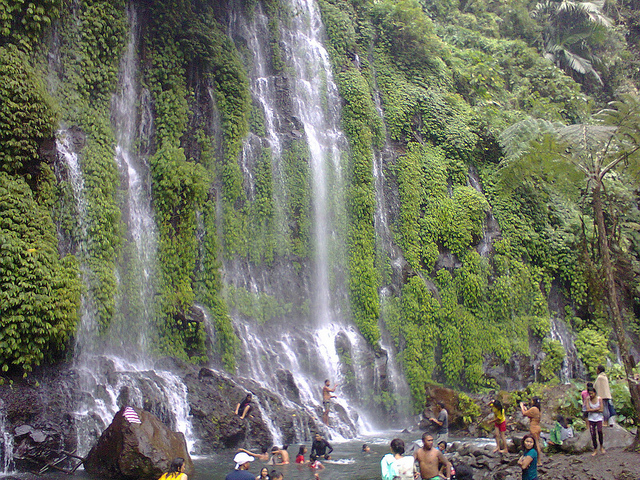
(326, 400)
(429, 458)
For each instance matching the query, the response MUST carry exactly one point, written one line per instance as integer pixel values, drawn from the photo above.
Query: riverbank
(616, 464)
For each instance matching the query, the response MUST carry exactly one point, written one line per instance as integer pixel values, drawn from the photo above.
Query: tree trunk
(614, 306)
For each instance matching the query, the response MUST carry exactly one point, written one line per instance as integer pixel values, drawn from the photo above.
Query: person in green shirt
(529, 460)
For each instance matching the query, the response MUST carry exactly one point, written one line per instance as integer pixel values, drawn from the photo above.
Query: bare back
(429, 461)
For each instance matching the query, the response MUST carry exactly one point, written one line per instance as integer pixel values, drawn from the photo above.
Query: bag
(612, 410)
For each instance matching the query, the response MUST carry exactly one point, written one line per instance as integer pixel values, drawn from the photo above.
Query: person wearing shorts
(500, 424)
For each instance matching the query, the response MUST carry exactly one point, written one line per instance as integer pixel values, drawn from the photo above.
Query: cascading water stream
(139, 267)
(6, 445)
(306, 348)
(115, 369)
(316, 104)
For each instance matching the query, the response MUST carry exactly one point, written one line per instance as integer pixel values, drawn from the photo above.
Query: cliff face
(295, 190)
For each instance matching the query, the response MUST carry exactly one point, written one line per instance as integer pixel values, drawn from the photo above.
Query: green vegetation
(454, 98)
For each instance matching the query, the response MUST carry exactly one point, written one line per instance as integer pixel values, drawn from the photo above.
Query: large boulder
(614, 437)
(136, 450)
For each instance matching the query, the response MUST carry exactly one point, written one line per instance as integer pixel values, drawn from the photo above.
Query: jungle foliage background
(451, 77)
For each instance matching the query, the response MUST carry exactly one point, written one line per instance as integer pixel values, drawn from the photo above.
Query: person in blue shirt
(529, 460)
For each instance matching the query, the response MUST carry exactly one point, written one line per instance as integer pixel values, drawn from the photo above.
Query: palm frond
(580, 64)
(516, 139)
(590, 11)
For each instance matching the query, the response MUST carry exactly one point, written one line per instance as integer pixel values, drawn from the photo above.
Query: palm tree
(591, 153)
(571, 30)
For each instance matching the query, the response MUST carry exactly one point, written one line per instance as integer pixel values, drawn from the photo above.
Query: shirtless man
(326, 400)
(429, 458)
(280, 455)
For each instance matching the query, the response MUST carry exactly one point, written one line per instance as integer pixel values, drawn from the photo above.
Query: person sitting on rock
(244, 407)
(176, 470)
(561, 431)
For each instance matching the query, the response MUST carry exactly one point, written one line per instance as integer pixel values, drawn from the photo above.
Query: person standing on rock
(176, 470)
(602, 389)
(534, 420)
(442, 422)
(243, 462)
(594, 409)
(326, 400)
(529, 460)
(500, 426)
(430, 458)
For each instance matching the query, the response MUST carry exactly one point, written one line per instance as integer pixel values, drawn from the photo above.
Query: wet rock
(37, 412)
(23, 430)
(212, 400)
(285, 377)
(614, 437)
(136, 451)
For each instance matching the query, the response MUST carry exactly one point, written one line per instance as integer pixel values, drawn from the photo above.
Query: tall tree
(590, 153)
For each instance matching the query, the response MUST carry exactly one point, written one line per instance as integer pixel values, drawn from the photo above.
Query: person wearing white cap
(243, 462)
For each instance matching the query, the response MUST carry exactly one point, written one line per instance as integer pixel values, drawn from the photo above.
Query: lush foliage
(26, 118)
(428, 86)
(40, 292)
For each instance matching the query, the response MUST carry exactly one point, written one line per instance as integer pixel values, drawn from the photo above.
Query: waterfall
(137, 273)
(315, 342)
(67, 141)
(6, 444)
(112, 382)
(115, 369)
(316, 104)
(571, 365)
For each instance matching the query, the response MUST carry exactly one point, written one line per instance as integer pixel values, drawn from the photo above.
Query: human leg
(600, 436)
(496, 433)
(503, 437)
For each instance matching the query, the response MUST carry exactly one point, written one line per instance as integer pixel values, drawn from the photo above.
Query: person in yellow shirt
(500, 423)
(176, 470)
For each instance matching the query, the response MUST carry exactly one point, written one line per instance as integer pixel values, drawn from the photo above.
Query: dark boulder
(136, 451)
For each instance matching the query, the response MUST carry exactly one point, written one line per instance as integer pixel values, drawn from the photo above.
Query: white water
(88, 326)
(6, 444)
(571, 365)
(114, 382)
(105, 378)
(308, 352)
(316, 104)
(137, 273)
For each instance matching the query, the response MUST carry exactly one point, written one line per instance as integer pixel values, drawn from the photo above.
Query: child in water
(314, 463)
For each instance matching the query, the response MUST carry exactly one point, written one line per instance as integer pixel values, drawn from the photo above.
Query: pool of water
(347, 461)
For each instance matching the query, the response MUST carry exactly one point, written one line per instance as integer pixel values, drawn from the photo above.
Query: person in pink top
(585, 399)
